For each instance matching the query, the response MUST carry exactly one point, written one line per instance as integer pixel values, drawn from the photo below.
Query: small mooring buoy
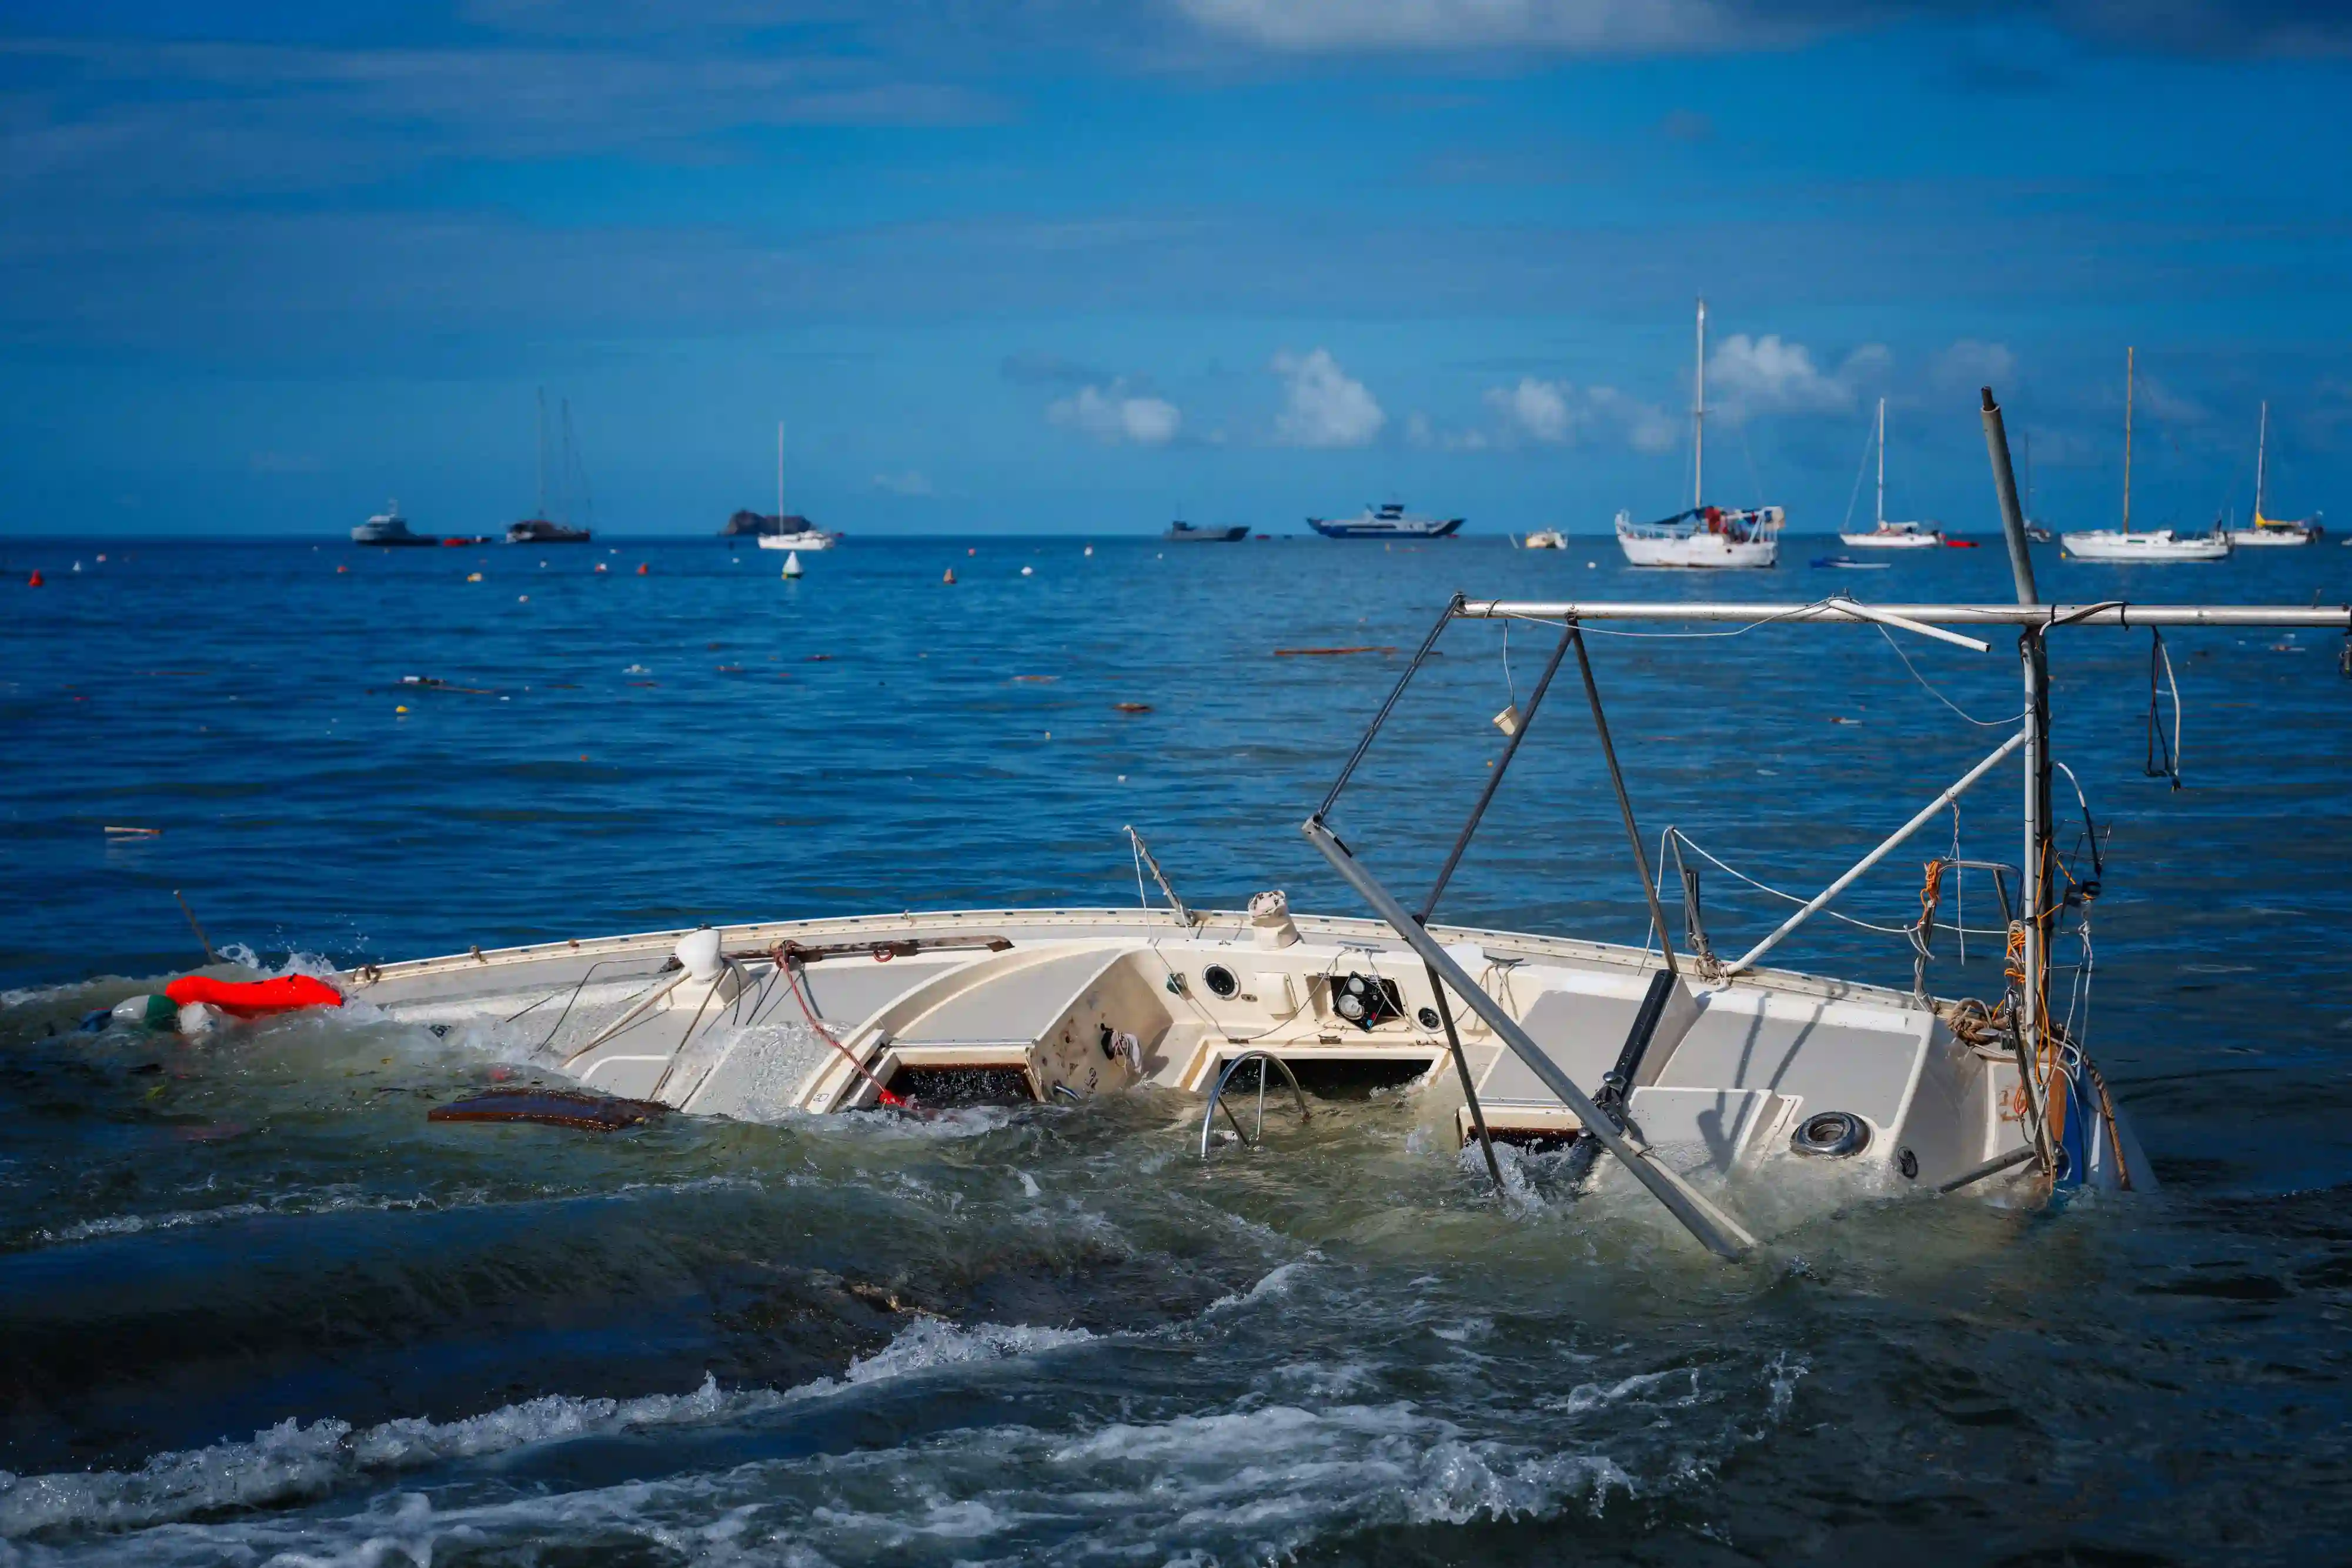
(792, 563)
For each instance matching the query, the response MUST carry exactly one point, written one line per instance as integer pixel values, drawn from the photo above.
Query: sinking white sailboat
(2267, 532)
(2158, 545)
(1707, 1079)
(1704, 537)
(1886, 535)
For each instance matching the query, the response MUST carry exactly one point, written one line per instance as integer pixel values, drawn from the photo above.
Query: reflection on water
(251, 1303)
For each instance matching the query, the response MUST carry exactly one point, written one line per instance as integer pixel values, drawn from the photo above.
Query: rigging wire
(1929, 688)
(1860, 469)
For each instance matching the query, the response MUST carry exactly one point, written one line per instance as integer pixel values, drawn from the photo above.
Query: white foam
(291, 1461)
(1277, 1282)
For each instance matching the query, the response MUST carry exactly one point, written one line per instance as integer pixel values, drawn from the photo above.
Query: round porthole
(1219, 980)
(1832, 1134)
(1427, 1018)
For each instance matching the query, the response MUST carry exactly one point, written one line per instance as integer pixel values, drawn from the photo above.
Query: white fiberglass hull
(1059, 1005)
(2264, 539)
(1545, 540)
(1699, 551)
(810, 541)
(1891, 540)
(2159, 546)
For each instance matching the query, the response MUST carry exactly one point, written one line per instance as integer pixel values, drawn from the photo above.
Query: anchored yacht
(2154, 545)
(785, 530)
(389, 527)
(2272, 531)
(1886, 535)
(1704, 537)
(539, 528)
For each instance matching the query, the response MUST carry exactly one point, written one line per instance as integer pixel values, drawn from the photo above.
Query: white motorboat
(785, 530)
(1703, 538)
(2156, 545)
(389, 527)
(2268, 532)
(1886, 535)
(1545, 538)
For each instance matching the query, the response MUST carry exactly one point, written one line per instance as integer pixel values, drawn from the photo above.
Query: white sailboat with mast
(1725, 1088)
(1886, 535)
(788, 532)
(2156, 544)
(2267, 532)
(1704, 537)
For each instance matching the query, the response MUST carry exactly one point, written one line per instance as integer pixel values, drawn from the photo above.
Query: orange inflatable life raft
(252, 999)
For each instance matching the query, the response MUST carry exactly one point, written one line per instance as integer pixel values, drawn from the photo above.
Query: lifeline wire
(1984, 723)
(1678, 836)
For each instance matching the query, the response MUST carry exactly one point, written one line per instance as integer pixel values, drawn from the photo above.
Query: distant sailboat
(1886, 535)
(2035, 528)
(784, 531)
(1704, 537)
(2273, 530)
(2158, 545)
(539, 528)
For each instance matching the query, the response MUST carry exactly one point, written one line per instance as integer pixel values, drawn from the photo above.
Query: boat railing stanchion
(1144, 857)
(1518, 734)
(1715, 1230)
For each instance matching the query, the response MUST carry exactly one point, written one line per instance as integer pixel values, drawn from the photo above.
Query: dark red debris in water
(552, 1108)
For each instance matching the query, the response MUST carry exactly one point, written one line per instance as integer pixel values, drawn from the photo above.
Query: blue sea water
(252, 1305)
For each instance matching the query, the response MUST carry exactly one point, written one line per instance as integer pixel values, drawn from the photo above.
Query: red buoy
(36, 582)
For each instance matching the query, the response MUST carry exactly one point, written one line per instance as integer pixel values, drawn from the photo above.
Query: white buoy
(1090, 549)
(792, 563)
(1028, 571)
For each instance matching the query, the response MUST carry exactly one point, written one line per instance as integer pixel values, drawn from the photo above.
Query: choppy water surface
(252, 1304)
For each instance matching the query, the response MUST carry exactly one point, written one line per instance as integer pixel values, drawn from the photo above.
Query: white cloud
(1765, 375)
(1322, 406)
(1583, 26)
(1538, 410)
(907, 482)
(1557, 413)
(1973, 363)
(1114, 415)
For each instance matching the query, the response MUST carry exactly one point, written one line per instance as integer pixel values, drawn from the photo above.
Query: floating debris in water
(551, 1108)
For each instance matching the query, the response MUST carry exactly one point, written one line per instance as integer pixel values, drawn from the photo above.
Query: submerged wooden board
(551, 1108)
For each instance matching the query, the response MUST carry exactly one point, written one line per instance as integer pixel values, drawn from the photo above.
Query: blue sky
(1061, 266)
